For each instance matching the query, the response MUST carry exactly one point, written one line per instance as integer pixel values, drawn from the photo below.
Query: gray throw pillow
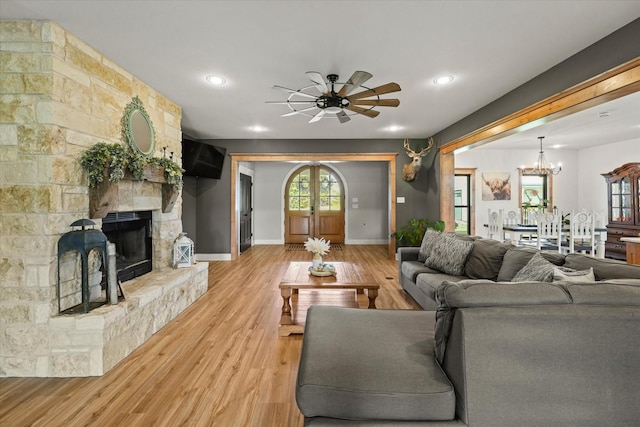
(537, 269)
(485, 259)
(449, 255)
(429, 239)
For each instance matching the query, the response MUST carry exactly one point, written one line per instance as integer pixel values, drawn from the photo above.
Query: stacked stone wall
(59, 96)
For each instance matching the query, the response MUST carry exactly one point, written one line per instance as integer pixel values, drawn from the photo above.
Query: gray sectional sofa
(495, 353)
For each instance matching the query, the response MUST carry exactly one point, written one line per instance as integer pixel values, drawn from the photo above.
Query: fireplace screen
(131, 234)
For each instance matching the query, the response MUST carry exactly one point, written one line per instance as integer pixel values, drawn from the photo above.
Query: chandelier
(542, 166)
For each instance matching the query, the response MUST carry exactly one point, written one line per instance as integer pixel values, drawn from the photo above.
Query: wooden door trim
(236, 158)
(613, 84)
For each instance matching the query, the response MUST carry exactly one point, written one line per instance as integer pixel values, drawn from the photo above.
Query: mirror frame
(136, 142)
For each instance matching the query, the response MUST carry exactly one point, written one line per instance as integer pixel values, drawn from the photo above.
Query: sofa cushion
(537, 269)
(517, 258)
(449, 255)
(485, 259)
(428, 240)
(371, 365)
(605, 293)
(564, 274)
(485, 293)
(430, 282)
(411, 269)
(603, 268)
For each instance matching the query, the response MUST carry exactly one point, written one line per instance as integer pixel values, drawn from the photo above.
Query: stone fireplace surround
(60, 96)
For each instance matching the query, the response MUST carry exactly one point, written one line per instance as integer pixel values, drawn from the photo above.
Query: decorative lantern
(183, 251)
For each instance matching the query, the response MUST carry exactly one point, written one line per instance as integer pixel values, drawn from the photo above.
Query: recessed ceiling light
(394, 128)
(443, 80)
(216, 80)
(257, 128)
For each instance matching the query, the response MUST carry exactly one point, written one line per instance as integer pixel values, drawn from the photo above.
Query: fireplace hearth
(131, 234)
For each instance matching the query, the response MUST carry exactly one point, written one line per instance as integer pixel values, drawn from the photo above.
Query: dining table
(517, 231)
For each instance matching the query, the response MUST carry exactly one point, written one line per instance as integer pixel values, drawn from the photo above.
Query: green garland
(117, 160)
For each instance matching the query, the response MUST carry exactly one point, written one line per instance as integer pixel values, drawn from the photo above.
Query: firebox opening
(131, 234)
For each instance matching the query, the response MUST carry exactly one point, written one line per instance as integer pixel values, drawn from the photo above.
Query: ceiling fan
(321, 99)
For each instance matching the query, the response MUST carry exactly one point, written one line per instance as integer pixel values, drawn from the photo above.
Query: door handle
(312, 210)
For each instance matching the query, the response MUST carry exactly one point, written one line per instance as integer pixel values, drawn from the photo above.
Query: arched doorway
(314, 205)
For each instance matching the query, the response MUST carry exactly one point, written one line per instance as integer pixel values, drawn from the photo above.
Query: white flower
(317, 246)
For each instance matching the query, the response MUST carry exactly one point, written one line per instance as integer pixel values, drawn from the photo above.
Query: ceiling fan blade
(388, 88)
(317, 78)
(363, 111)
(317, 116)
(297, 92)
(342, 117)
(290, 102)
(291, 113)
(377, 102)
(354, 81)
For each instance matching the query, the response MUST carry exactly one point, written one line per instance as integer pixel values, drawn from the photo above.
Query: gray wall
(212, 234)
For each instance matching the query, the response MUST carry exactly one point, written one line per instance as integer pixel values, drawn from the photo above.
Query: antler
(422, 152)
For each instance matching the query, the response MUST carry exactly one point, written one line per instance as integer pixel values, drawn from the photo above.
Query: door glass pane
(300, 191)
(329, 190)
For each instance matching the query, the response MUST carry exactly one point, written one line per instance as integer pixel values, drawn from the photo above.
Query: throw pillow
(449, 255)
(565, 274)
(537, 269)
(429, 239)
(485, 259)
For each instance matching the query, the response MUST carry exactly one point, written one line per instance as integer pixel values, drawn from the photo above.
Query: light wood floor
(220, 363)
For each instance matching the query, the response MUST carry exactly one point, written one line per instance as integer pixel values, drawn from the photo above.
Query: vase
(317, 261)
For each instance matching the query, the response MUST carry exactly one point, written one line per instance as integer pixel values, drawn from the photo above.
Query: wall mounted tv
(202, 160)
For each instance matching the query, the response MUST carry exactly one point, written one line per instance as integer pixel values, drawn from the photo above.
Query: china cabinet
(624, 208)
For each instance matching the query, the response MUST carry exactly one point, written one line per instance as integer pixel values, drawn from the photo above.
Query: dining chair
(582, 233)
(549, 231)
(510, 219)
(495, 225)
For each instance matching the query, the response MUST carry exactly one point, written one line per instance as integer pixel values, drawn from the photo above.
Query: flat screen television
(202, 160)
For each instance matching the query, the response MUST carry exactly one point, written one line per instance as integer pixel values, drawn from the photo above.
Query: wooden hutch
(624, 208)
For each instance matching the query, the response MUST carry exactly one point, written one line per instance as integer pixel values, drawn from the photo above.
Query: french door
(314, 205)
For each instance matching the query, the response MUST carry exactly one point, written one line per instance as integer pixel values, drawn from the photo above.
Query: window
(535, 190)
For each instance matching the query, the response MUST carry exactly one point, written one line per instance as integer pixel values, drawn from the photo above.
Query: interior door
(245, 212)
(314, 205)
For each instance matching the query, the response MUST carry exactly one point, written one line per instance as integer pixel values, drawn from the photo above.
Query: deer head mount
(411, 169)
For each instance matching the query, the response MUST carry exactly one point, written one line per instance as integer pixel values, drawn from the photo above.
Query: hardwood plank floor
(220, 363)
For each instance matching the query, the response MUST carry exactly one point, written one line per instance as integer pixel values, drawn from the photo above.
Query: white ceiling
(491, 47)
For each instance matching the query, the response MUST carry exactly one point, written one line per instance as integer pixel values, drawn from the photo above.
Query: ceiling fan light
(333, 110)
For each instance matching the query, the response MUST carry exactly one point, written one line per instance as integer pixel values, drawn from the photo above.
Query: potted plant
(412, 233)
(114, 160)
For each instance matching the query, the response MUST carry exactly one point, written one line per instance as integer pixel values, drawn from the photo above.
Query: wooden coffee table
(348, 276)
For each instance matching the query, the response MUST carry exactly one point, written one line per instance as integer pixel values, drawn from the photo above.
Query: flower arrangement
(317, 246)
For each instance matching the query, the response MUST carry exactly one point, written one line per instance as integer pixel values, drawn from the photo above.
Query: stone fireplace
(60, 96)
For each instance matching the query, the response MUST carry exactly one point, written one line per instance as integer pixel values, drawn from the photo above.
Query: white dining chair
(549, 231)
(495, 225)
(582, 233)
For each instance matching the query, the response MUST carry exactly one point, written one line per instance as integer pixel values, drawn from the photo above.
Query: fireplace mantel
(103, 197)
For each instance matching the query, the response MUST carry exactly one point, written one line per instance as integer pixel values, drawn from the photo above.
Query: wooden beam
(613, 84)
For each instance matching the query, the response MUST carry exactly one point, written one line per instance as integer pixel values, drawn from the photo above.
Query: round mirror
(137, 128)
